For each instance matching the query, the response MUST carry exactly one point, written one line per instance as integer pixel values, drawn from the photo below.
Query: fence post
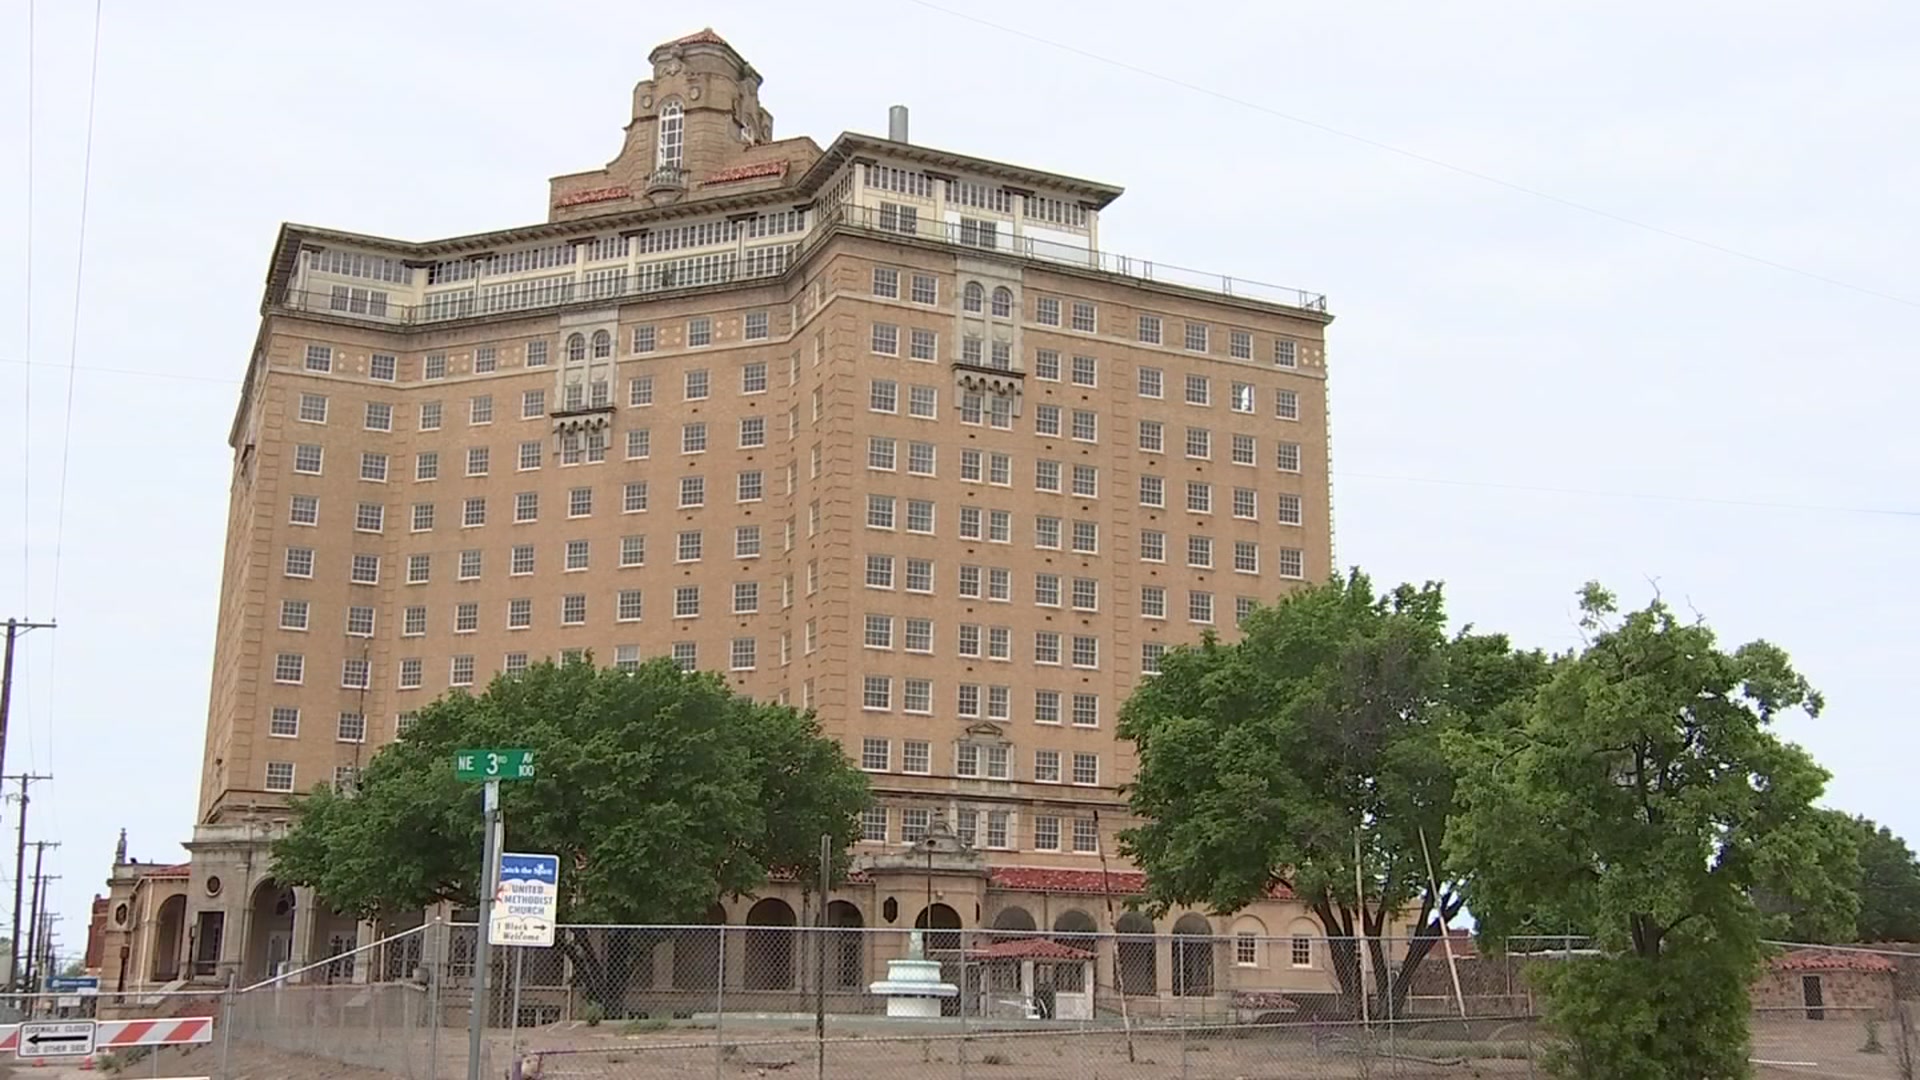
(961, 997)
(720, 1008)
(228, 1013)
(433, 952)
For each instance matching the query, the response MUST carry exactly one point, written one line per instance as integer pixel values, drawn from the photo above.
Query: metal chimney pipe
(897, 123)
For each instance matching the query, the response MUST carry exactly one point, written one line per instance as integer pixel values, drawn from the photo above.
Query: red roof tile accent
(1085, 882)
(174, 871)
(854, 877)
(1028, 949)
(701, 37)
(1830, 960)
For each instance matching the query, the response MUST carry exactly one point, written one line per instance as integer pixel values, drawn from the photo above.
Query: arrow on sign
(36, 1038)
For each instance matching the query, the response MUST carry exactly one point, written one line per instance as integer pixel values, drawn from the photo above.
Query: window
(743, 654)
(886, 339)
(970, 350)
(536, 354)
(746, 597)
(693, 438)
(1152, 383)
(1086, 537)
(519, 614)
(1046, 648)
(753, 378)
(686, 602)
(1046, 365)
(1086, 710)
(1246, 557)
(640, 391)
(886, 282)
(366, 570)
(419, 569)
(1287, 509)
(686, 655)
(1046, 766)
(1199, 606)
(1086, 481)
(1086, 594)
(880, 511)
(579, 553)
(693, 492)
(516, 662)
(1200, 552)
(460, 671)
(696, 385)
(699, 332)
(919, 515)
(1199, 443)
(1046, 311)
(305, 510)
(289, 668)
(1153, 546)
(477, 460)
(639, 444)
(926, 289)
(382, 367)
(879, 572)
(1290, 563)
(670, 137)
(687, 546)
(1153, 602)
(293, 614)
(1286, 457)
(379, 416)
(520, 562)
(1196, 337)
(1240, 344)
(977, 233)
(434, 367)
(968, 643)
(356, 673)
(923, 402)
(1152, 490)
(873, 824)
(1086, 651)
(1151, 654)
(1243, 450)
(580, 502)
(1199, 390)
(633, 551)
(1046, 833)
(919, 575)
(279, 776)
(644, 339)
(360, 621)
(284, 722)
(1002, 307)
(1086, 371)
(480, 409)
(883, 396)
(918, 636)
(469, 565)
(1046, 706)
(313, 408)
(746, 541)
(1086, 769)
(1083, 320)
(1199, 497)
(1240, 397)
(876, 755)
(1046, 419)
(877, 693)
(1286, 405)
(1285, 354)
(319, 358)
(1245, 504)
(475, 512)
(1300, 949)
(426, 465)
(1086, 425)
(755, 328)
(1046, 476)
(880, 453)
(915, 756)
(1046, 590)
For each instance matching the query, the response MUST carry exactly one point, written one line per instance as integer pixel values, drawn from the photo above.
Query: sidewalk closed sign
(528, 901)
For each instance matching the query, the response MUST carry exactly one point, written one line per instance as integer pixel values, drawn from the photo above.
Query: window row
(977, 701)
(972, 758)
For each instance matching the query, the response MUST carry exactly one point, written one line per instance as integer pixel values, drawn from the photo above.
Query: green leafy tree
(1644, 797)
(1259, 759)
(661, 791)
(1884, 876)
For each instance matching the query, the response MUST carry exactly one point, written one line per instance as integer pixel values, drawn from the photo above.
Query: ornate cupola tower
(695, 116)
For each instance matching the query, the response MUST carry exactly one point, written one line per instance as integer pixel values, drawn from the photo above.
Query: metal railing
(730, 268)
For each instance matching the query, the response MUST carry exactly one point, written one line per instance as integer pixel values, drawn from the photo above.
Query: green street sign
(493, 764)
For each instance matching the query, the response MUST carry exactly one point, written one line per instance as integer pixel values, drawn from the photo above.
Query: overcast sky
(1525, 394)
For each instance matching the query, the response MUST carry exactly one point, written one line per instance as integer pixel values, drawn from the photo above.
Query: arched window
(576, 348)
(672, 135)
(1134, 964)
(971, 299)
(1003, 303)
(602, 344)
(1192, 956)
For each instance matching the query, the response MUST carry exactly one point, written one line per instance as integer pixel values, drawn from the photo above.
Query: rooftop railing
(727, 268)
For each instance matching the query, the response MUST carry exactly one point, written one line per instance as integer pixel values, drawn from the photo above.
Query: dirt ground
(1782, 1049)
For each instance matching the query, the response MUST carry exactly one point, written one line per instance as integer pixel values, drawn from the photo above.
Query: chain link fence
(764, 999)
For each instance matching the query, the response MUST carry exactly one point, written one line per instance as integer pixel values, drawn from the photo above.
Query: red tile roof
(174, 871)
(1830, 960)
(1085, 882)
(701, 37)
(1028, 949)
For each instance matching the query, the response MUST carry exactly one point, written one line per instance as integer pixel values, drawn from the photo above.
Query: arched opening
(934, 920)
(576, 348)
(1003, 303)
(168, 924)
(1192, 956)
(1075, 929)
(1136, 970)
(769, 953)
(270, 935)
(696, 952)
(602, 344)
(672, 135)
(973, 297)
(846, 947)
(1014, 919)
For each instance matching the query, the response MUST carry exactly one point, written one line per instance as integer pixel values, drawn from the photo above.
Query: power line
(73, 356)
(1424, 159)
(26, 397)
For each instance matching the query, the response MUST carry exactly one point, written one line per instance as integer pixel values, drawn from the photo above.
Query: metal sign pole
(482, 951)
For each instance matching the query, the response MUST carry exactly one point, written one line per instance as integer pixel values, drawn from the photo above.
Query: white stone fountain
(912, 987)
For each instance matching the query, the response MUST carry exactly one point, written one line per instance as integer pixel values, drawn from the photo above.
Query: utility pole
(39, 883)
(19, 872)
(15, 627)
